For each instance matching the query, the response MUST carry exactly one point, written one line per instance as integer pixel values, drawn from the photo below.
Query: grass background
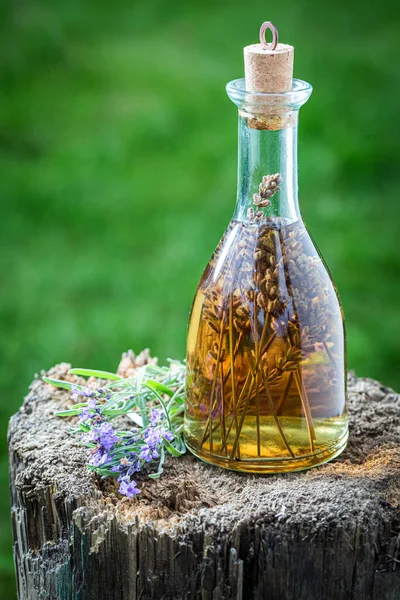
(118, 176)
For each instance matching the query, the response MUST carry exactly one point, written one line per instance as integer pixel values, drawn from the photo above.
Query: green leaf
(120, 451)
(177, 412)
(83, 427)
(171, 449)
(163, 389)
(95, 373)
(66, 385)
(105, 472)
(67, 413)
(182, 446)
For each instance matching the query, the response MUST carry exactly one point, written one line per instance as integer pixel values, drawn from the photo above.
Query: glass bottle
(266, 373)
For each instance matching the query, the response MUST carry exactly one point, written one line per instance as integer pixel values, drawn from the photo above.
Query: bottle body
(266, 360)
(266, 384)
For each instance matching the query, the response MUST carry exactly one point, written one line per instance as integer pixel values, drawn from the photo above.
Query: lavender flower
(152, 437)
(128, 465)
(127, 487)
(89, 411)
(85, 415)
(147, 454)
(98, 457)
(168, 435)
(155, 416)
(87, 392)
(106, 435)
(121, 454)
(75, 394)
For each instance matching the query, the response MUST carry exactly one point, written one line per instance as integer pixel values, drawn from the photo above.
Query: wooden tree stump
(331, 533)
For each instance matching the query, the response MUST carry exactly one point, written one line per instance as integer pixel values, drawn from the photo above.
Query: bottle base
(265, 466)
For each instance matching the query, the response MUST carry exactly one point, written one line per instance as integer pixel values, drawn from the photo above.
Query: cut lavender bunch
(153, 400)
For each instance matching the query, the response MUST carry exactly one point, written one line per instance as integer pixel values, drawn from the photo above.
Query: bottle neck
(266, 152)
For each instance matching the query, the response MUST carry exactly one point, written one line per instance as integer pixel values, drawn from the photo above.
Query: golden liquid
(266, 381)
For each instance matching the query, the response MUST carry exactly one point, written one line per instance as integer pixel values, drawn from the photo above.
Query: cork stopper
(268, 67)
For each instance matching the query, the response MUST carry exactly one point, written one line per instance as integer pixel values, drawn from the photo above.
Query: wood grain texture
(331, 533)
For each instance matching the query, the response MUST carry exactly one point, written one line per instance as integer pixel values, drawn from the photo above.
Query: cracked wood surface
(331, 533)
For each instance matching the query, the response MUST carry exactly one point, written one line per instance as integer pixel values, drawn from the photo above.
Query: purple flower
(106, 435)
(89, 411)
(152, 437)
(127, 487)
(87, 392)
(85, 414)
(75, 394)
(155, 416)
(128, 465)
(89, 437)
(98, 457)
(168, 436)
(146, 453)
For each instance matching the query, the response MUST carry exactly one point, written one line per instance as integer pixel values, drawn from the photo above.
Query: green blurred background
(118, 176)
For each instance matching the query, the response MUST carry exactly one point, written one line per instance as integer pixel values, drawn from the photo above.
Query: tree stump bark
(331, 533)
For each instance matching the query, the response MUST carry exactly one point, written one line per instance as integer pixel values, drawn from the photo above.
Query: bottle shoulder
(274, 259)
